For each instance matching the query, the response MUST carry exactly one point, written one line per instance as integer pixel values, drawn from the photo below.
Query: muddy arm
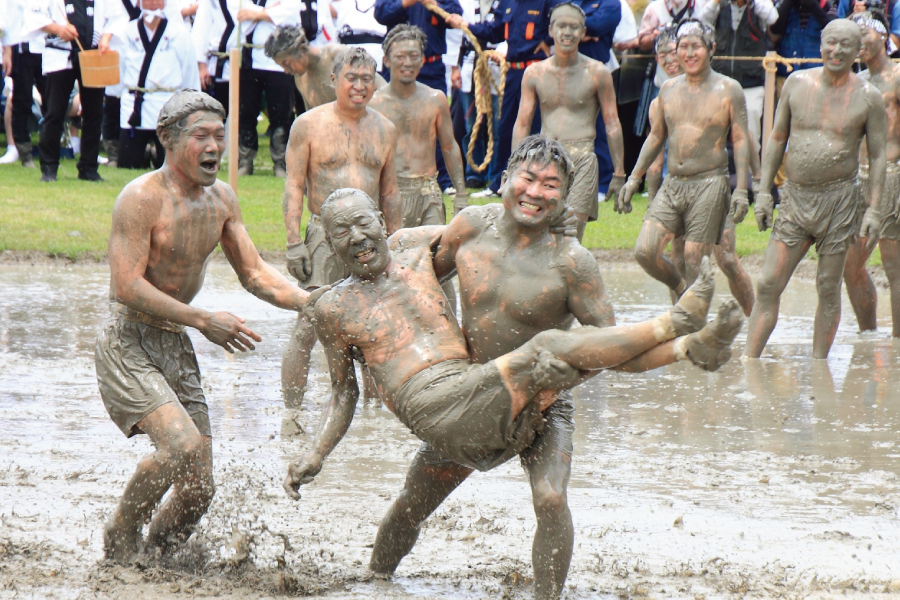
(389, 200)
(606, 93)
(527, 104)
(460, 229)
(452, 153)
(739, 135)
(655, 141)
(588, 299)
(781, 129)
(295, 184)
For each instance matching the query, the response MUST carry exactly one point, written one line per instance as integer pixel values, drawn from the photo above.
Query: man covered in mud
(695, 112)
(165, 226)
(884, 75)
(340, 144)
(310, 66)
(572, 89)
(824, 113)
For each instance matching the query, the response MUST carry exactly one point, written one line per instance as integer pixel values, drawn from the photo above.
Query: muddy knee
(549, 502)
(183, 450)
(646, 257)
(767, 289)
(828, 285)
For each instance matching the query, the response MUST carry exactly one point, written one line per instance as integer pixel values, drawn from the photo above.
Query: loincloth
(142, 363)
(695, 207)
(891, 229)
(326, 267)
(582, 194)
(829, 214)
(464, 412)
(421, 201)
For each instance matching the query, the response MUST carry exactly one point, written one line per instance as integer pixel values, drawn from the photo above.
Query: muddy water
(774, 478)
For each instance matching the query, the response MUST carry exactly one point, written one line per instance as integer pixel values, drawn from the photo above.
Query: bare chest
(699, 110)
(338, 147)
(187, 232)
(835, 112)
(570, 89)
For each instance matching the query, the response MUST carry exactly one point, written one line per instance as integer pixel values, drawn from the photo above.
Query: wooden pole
(768, 105)
(234, 110)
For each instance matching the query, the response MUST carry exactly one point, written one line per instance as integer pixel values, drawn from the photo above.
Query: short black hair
(175, 112)
(285, 38)
(541, 150)
(352, 55)
(706, 33)
(404, 32)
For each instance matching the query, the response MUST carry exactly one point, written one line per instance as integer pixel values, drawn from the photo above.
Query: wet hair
(666, 36)
(285, 39)
(404, 33)
(351, 56)
(698, 28)
(339, 194)
(571, 5)
(175, 112)
(541, 151)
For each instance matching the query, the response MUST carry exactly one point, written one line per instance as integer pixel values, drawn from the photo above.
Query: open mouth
(209, 165)
(366, 254)
(357, 97)
(530, 209)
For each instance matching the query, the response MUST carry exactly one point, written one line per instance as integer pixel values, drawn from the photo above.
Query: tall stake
(768, 105)
(234, 109)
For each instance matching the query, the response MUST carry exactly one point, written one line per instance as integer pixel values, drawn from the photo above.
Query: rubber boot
(25, 155)
(48, 173)
(245, 161)
(112, 153)
(278, 149)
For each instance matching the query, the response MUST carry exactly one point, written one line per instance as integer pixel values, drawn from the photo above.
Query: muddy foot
(121, 544)
(689, 315)
(710, 348)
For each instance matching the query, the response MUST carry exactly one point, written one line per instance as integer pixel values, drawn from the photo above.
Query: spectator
(357, 26)
(626, 35)
(658, 14)
(317, 22)
(11, 13)
(798, 30)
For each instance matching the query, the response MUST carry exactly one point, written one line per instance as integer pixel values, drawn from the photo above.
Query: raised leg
(890, 258)
(295, 362)
(829, 278)
(648, 251)
(738, 280)
(860, 289)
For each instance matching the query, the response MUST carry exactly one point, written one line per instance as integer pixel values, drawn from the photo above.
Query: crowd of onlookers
(189, 40)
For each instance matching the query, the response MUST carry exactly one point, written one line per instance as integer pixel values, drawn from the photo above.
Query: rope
(482, 83)
(769, 62)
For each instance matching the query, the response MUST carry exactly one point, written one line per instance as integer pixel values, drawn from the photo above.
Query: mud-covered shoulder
(578, 260)
(140, 193)
(415, 237)
(873, 95)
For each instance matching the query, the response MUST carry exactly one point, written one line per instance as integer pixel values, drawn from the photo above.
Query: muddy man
(696, 112)
(572, 89)
(311, 67)
(422, 118)
(165, 226)
(336, 145)
(824, 113)
(884, 75)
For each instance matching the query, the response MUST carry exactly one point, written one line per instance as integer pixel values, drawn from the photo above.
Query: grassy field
(71, 218)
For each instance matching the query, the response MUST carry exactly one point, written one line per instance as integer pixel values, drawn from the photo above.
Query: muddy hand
(565, 223)
(740, 205)
(550, 373)
(764, 210)
(300, 473)
(871, 228)
(615, 184)
(623, 199)
(299, 263)
(226, 330)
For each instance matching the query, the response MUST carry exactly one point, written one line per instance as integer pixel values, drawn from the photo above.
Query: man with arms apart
(166, 224)
(885, 76)
(422, 118)
(695, 113)
(572, 89)
(335, 145)
(824, 113)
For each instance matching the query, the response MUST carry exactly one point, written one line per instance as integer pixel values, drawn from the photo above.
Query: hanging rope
(482, 84)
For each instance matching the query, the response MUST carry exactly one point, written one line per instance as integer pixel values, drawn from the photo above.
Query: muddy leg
(860, 289)
(295, 362)
(179, 452)
(829, 277)
(425, 488)
(551, 553)
(778, 266)
(738, 280)
(890, 258)
(693, 254)
(678, 260)
(648, 251)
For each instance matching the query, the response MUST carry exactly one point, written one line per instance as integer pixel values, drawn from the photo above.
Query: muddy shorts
(143, 363)
(327, 268)
(421, 201)
(559, 428)
(464, 412)
(582, 195)
(891, 229)
(829, 214)
(694, 207)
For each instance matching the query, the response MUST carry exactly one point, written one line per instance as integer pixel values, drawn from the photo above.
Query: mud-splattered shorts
(829, 214)
(421, 201)
(891, 229)
(464, 412)
(326, 267)
(582, 195)
(143, 363)
(694, 207)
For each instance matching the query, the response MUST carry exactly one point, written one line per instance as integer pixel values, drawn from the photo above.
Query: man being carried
(695, 112)
(885, 76)
(422, 118)
(310, 66)
(339, 144)
(166, 224)
(572, 89)
(824, 113)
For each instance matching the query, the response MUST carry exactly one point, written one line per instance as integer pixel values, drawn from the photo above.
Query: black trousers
(112, 108)
(133, 142)
(59, 87)
(279, 88)
(219, 91)
(26, 74)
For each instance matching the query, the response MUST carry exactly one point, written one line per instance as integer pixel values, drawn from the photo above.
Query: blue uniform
(391, 13)
(523, 24)
(601, 19)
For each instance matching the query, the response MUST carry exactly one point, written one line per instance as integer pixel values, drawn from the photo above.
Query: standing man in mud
(572, 89)
(824, 113)
(166, 224)
(336, 145)
(422, 118)
(696, 113)
(885, 76)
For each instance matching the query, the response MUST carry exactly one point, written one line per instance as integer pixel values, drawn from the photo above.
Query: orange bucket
(99, 70)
